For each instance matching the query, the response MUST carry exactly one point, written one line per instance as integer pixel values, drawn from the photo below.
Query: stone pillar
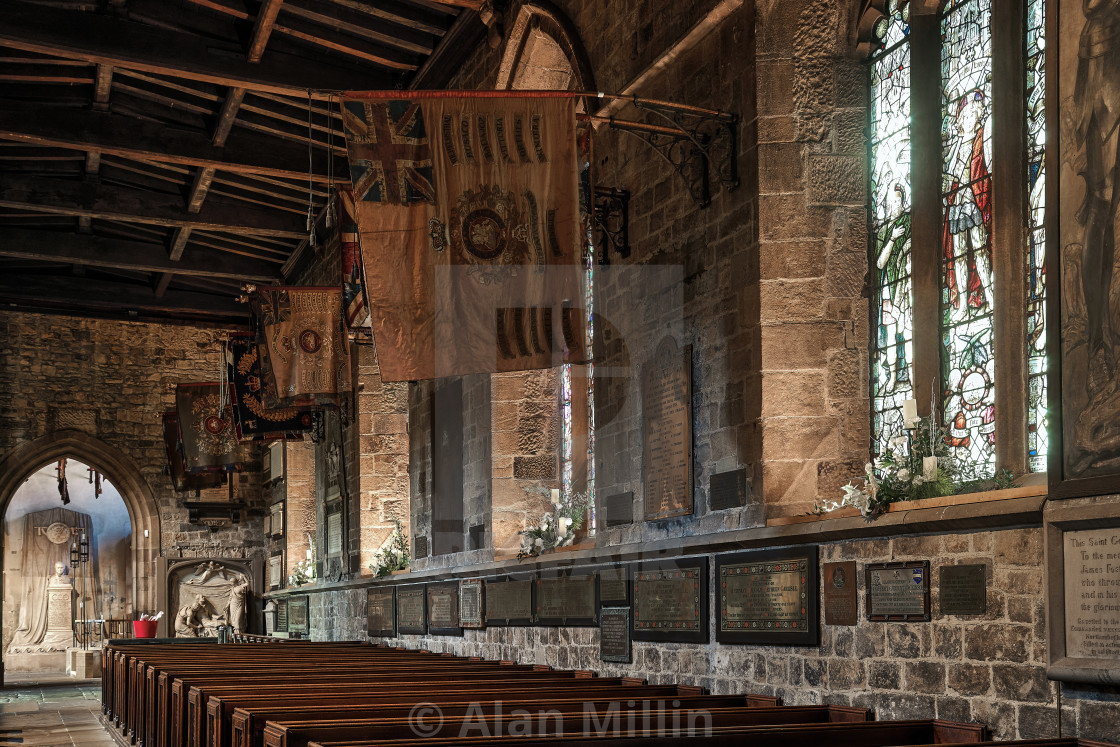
(60, 632)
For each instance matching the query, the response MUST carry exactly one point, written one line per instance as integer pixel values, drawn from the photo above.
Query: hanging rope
(330, 163)
(310, 177)
(223, 377)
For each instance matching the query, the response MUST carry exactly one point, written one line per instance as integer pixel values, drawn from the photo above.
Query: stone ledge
(1013, 512)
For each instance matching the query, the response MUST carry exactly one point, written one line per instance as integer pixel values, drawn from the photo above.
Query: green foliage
(557, 528)
(394, 555)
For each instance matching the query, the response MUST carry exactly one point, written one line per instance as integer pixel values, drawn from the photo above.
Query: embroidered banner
(256, 421)
(353, 284)
(304, 348)
(180, 479)
(206, 428)
(469, 223)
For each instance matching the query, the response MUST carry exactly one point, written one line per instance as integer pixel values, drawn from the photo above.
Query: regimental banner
(206, 427)
(303, 345)
(255, 420)
(173, 442)
(353, 282)
(469, 222)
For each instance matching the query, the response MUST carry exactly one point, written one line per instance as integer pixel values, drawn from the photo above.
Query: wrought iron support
(610, 218)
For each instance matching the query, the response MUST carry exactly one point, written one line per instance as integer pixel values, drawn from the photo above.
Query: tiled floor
(51, 711)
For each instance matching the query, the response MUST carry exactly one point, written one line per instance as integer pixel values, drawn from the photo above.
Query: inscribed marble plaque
(334, 533)
(1092, 593)
(898, 592)
(411, 617)
(381, 616)
(471, 604)
(443, 609)
(667, 432)
(963, 590)
(566, 600)
(614, 634)
(509, 602)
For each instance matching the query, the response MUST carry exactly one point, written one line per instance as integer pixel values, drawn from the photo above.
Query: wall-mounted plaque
(420, 546)
(281, 615)
(443, 609)
(671, 600)
(618, 509)
(334, 533)
(509, 602)
(841, 606)
(381, 612)
(768, 596)
(898, 592)
(567, 600)
(614, 634)
(276, 571)
(614, 585)
(964, 589)
(275, 468)
(728, 490)
(667, 432)
(276, 519)
(412, 618)
(299, 615)
(471, 604)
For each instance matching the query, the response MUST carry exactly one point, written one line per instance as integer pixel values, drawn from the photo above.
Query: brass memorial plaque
(381, 613)
(840, 598)
(898, 592)
(614, 634)
(964, 589)
(567, 600)
(509, 602)
(443, 609)
(671, 601)
(768, 596)
(614, 585)
(471, 604)
(411, 617)
(667, 432)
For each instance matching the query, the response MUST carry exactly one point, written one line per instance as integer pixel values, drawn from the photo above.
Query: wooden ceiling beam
(102, 39)
(135, 256)
(262, 28)
(345, 21)
(61, 197)
(124, 136)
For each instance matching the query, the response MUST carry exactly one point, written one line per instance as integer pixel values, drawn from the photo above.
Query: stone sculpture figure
(238, 599)
(188, 621)
(61, 576)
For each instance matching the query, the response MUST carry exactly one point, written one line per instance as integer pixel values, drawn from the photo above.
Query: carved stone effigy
(207, 595)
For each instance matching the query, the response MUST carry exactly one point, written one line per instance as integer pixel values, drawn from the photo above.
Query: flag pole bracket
(610, 219)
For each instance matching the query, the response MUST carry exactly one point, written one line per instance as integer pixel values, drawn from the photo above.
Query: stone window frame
(1009, 236)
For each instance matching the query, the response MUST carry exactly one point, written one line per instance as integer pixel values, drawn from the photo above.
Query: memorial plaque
(471, 604)
(420, 546)
(964, 589)
(667, 432)
(618, 509)
(509, 602)
(411, 610)
(281, 615)
(567, 600)
(898, 592)
(768, 596)
(276, 571)
(276, 519)
(334, 533)
(299, 617)
(614, 585)
(614, 634)
(381, 612)
(728, 490)
(443, 609)
(671, 601)
(841, 606)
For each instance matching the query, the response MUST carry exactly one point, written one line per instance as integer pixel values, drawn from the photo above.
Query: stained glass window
(1036, 234)
(893, 357)
(967, 300)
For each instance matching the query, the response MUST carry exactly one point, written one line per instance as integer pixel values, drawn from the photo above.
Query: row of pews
(252, 693)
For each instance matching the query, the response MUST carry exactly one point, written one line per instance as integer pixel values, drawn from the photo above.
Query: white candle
(909, 413)
(309, 553)
(555, 492)
(929, 467)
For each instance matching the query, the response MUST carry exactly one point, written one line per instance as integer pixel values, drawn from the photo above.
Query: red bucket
(144, 628)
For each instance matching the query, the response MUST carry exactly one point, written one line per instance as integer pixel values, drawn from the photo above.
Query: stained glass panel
(893, 357)
(967, 303)
(1036, 235)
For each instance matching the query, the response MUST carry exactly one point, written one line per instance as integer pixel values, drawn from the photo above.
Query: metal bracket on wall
(214, 514)
(610, 219)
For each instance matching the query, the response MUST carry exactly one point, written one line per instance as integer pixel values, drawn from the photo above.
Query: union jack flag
(390, 159)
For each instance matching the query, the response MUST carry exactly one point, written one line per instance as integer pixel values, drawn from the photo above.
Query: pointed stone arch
(544, 51)
(143, 510)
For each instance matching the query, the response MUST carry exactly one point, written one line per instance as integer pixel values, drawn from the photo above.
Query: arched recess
(544, 51)
(19, 463)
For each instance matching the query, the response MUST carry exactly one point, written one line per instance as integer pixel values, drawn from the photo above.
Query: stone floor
(51, 711)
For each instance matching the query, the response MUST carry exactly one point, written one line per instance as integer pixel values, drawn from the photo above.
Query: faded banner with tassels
(206, 427)
(255, 419)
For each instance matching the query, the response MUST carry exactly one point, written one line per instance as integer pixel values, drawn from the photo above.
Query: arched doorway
(21, 463)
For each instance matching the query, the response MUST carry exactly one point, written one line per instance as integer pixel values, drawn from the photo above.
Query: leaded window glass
(892, 359)
(1036, 234)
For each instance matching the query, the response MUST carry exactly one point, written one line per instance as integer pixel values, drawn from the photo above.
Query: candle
(555, 496)
(309, 553)
(929, 467)
(909, 413)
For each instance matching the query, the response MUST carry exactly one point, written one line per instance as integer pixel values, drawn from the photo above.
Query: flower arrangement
(394, 554)
(302, 573)
(557, 528)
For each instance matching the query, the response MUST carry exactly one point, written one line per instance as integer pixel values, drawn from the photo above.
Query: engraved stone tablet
(728, 490)
(614, 585)
(443, 609)
(768, 596)
(334, 533)
(282, 616)
(420, 546)
(614, 634)
(509, 602)
(840, 604)
(670, 601)
(298, 615)
(898, 592)
(618, 509)
(1092, 598)
(276, 519)
(275, 571)
(471, 604)
(667, 432)
(381, 613)
(964, 590)
(567, 600)
(411, 617)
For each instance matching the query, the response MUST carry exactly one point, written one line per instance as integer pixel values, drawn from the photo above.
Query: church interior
(754, 356)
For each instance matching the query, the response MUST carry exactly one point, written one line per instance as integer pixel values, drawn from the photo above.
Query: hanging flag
(173, 442)
(206, 427)
(255, 421)
(469, 223)
(353, 294)
(304, 349)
